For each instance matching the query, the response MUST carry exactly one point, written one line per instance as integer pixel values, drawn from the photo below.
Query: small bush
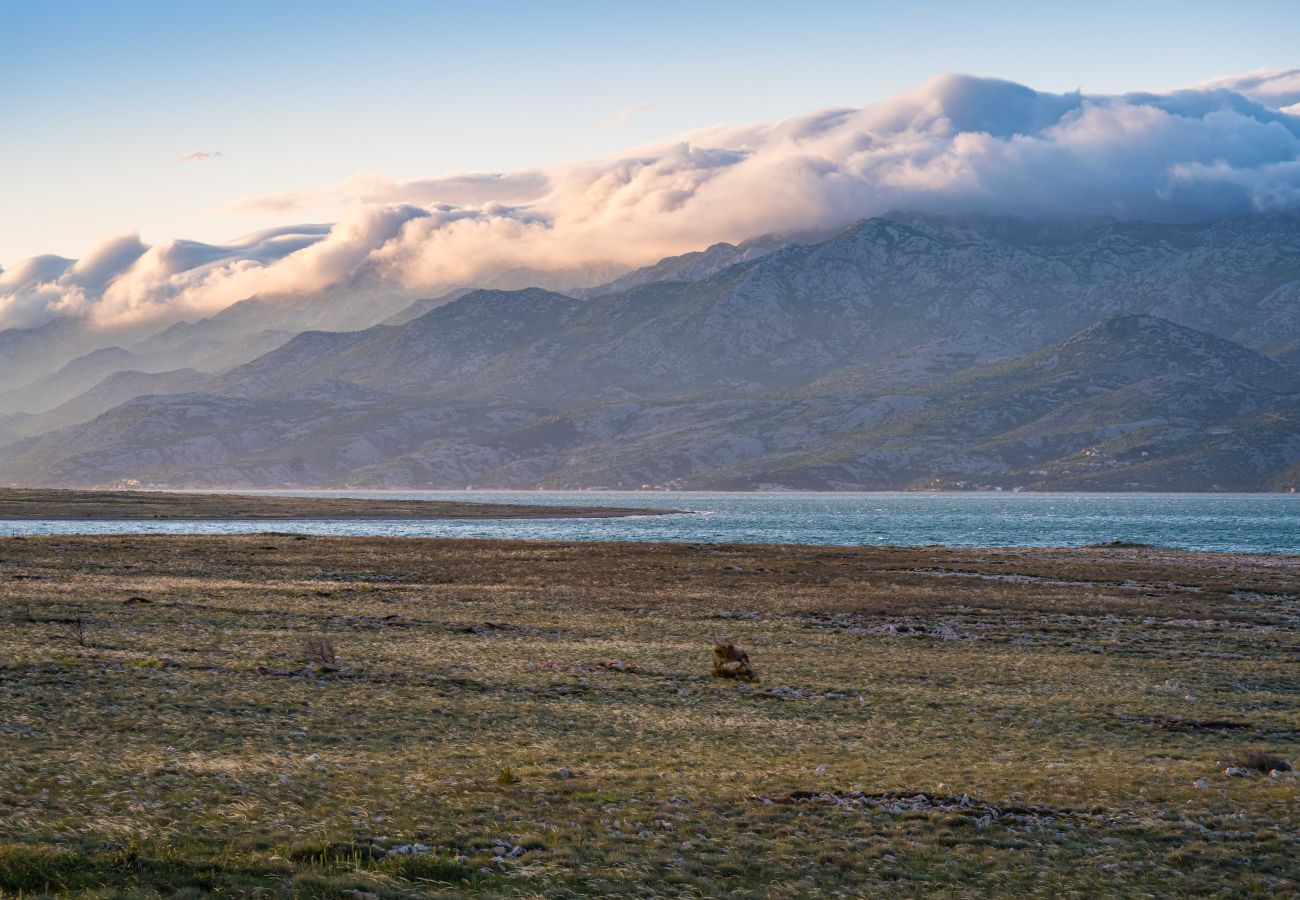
(1260, 761)
(319, 650)
(506, 776)
(729, 661)
(77, 631)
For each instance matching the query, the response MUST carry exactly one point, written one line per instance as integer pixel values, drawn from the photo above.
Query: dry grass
(518, 719)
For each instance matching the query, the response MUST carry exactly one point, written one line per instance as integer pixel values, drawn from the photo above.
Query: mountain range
(906, 352)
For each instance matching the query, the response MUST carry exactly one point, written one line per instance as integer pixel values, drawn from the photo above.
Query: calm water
(1267, 523)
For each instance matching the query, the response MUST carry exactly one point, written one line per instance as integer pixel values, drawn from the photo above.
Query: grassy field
(44, 503)
(532, 719)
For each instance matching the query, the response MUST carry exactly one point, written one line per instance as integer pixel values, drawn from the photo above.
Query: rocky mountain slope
(1134, 402)
(903, 352)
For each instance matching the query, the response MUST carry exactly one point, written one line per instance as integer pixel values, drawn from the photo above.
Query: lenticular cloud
(1229, 147)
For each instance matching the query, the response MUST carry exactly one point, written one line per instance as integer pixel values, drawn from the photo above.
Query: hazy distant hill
(909, 351)
(113, 391)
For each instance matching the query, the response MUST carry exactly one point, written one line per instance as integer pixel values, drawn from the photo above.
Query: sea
(1258, 523)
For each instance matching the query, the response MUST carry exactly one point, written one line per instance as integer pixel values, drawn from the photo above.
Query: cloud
(1278, 88)
(373, 187)
(954, 144)
(122, 280)
(622, 115)
(200, 156)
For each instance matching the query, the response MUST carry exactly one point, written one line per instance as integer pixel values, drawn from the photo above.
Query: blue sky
(99, 100)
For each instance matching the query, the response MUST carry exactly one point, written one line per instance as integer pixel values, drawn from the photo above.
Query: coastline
(66, 505)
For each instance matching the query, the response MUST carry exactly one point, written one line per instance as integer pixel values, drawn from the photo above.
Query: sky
(157, 118)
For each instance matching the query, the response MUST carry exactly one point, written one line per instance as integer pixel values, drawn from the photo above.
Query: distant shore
(27, 504)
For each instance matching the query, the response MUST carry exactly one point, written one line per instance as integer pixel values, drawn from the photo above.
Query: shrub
(1260, 761)
(729, 661)
(319, 650)
(77, 630)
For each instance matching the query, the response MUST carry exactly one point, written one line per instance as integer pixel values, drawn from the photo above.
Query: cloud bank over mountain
(1229, 147)
(1278, 88)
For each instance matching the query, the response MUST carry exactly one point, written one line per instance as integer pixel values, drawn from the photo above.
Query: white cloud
(372, 187)
(953, 144)
(123, 280)
(1278, 88)
(622, 115)
(201, 156)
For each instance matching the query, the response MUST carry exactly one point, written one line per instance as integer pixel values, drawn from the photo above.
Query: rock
(1201, 783)
(1236, 772)
(410, 850)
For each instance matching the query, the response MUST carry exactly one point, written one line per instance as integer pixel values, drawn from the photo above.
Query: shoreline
(66, 505)
(650, 492)
(1117, 555)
